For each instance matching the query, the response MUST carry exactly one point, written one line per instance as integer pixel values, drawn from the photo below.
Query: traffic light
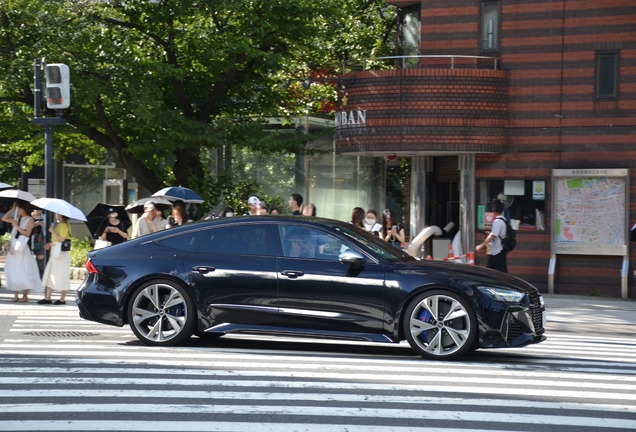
(58, 86)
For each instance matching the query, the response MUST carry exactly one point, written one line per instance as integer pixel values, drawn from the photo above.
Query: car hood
(476, 275)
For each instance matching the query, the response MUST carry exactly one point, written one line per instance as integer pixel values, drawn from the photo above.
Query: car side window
(241, 240)
(184, 242)
(303, 242)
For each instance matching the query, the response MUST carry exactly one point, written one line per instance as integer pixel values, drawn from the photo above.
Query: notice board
(590, 211)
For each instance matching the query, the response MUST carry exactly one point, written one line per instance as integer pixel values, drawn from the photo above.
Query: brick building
(501, 100)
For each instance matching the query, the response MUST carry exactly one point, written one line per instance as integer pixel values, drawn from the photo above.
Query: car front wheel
(440, 325)
(161, 313)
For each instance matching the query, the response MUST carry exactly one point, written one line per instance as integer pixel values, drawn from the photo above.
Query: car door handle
(292, 274)
(203, 269)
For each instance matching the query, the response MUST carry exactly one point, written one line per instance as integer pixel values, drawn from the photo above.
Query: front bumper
(514, 325)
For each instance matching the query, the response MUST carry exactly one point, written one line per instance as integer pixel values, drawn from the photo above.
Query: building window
(490, 26)
(524, 203)
(409, 35)
(607, 75)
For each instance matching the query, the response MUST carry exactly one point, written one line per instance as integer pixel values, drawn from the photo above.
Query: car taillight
(90, 267)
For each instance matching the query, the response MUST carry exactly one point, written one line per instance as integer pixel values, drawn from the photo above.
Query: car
(303, 276)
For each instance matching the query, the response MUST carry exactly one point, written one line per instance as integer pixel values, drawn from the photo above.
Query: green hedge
(79, 249)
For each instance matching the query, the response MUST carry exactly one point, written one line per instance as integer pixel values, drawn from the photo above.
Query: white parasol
(17, 194)
(59, 206)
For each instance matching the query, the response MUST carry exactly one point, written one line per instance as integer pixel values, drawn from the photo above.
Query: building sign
(37, 187)
(590, 211)
(538, 190)
(351, 118)
(489, 218)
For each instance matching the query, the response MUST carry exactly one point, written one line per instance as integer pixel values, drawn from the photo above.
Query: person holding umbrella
(57, 272)
(113, 229)
(146, 222)
(21, 269)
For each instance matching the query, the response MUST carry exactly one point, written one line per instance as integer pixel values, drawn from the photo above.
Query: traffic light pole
(48, 123)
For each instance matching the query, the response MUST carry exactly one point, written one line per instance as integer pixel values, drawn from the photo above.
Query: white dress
(21, 268)
(57, 274)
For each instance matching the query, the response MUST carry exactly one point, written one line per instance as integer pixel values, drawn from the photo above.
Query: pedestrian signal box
(58, 86)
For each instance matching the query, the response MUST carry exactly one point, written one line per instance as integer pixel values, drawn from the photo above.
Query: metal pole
(48, 176)
(37, 88)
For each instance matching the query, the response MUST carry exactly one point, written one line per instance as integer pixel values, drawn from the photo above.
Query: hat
(253, 200)
(149, 204)
(111, 210)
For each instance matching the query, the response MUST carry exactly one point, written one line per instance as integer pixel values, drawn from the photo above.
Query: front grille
(534, 300)
(537, 319)
(536, 314)
(536, 310)
(514, 329)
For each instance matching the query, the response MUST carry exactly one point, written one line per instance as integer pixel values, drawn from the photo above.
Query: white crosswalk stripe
(87, 376)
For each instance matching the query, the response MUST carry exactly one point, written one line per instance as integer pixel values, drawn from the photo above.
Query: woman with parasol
(113, 229)
(21, 269)
(57, 272)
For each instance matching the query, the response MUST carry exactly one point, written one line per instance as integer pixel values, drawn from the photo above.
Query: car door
(318, 292)
(235, 276)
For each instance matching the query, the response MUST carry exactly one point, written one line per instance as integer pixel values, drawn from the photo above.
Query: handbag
(21, 243)
(101, 244)
(66, 245)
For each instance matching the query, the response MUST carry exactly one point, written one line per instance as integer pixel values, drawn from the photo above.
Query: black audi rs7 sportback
(304, 277)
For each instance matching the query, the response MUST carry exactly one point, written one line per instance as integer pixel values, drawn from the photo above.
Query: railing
(406, 61)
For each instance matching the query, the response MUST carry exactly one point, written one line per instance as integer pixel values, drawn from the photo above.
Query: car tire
(161, 313)
(440, 325)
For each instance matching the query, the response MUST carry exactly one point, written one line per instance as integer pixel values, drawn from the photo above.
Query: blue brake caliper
(424, 316)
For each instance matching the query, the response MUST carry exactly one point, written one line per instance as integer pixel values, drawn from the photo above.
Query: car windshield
(375, 244)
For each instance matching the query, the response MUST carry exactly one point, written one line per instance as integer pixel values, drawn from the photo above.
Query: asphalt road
(58, 372)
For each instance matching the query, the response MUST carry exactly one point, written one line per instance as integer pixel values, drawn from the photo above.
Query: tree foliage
(155, 82)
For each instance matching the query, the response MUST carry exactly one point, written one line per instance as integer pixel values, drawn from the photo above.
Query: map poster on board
(590, 211)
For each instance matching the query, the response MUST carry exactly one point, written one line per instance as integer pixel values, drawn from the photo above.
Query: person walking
(294, 203)
(113, 229)
(20, 268)
(38, 239)
(57, 274)
(392, 230)
(371, 222)
(497, 259)
(357, 217)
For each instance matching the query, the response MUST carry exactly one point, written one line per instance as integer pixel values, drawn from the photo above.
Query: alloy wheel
(159, 314)
(440, 325)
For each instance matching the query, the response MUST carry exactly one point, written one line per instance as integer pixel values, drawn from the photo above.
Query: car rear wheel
(161, 313)
(440, 325)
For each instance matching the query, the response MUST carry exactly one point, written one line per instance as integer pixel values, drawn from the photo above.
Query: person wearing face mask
(371, 222)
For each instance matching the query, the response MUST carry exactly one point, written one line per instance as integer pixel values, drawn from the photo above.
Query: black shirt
(112, 237)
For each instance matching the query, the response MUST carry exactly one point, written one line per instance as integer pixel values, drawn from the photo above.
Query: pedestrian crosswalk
(86, 376)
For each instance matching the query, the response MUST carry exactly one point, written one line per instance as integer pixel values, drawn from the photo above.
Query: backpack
(509, 242)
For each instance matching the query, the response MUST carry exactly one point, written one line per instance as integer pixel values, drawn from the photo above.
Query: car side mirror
(352, 258)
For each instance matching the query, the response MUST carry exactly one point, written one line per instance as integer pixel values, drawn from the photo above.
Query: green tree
(156, 83)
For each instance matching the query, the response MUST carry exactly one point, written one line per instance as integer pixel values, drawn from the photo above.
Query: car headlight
(502, 294)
